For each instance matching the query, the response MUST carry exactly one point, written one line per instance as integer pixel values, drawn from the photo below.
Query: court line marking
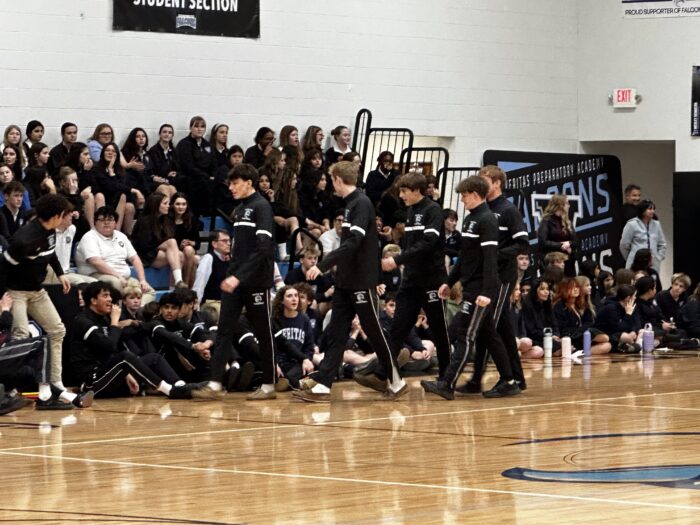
(337, 424)
(359, 481)
(646, 406)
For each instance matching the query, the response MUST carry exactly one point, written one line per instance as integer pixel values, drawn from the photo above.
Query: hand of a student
(307, 366)
(65, 283)
(229, 284)
(444, 292)
(312, 273)
(483, 301)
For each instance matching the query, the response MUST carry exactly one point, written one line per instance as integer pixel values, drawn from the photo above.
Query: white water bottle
(566, 347)
(547, 343)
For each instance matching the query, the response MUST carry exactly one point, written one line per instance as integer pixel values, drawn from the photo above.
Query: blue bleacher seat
(158, 278)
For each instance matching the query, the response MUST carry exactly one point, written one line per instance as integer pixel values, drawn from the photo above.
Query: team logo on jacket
(433, 296)
(470, 227)
(258, 299)
(465, 307)
(121, 244)
(418, 218)
(247, 214)
(360, 297)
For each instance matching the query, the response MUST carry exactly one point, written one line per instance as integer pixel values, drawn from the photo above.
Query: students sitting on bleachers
(212, 269)
(154, 238)
(105, 254)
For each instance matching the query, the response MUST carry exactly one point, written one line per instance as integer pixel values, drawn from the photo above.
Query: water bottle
(587, 343)
(566, 347)
(648, 338)
(547, 343)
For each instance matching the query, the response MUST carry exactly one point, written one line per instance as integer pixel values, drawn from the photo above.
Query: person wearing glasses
(106, 253)
(212, 269)
(330, 240)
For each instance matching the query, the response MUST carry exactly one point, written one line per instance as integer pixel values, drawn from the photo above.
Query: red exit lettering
(624, 95)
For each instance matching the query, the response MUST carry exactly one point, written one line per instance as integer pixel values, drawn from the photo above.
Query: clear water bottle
(587, 343)
(547, 343)
(648, 338)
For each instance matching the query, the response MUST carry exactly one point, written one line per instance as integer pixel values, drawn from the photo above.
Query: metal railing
(448, 178)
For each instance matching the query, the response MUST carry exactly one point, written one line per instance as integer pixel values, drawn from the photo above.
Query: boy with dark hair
(102, 361)
(632, 197)
(23, 271)
(59, 153)
(357, 277)
(619, 319)
(247, 285)
(186, 347)
(477, 270)
(12, 209)
(423, 259)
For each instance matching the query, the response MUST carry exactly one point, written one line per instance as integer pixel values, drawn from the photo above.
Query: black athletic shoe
(245, 376)
(629, 348)
(11, 403)
(470, 387)
(503, 389)
(84, 399)
(53, 403)
(440, 388)
(521, 384)
(231, 378)
(183, 392)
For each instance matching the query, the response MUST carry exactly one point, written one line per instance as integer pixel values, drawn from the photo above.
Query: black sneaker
(11, 403)
(231, 378)
(503, 389)
(53, 403)
(184, 391)
(440, 388)
(629, 348)
(470, 387)
(84, 399)
(521, 384)
(245, 376)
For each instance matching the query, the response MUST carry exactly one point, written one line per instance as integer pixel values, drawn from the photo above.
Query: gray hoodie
(636, 235)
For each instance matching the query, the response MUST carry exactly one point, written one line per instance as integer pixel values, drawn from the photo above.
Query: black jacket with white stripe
(253, 252)
(512, 237)
(357, 257)
(476, 267)
(424, 254)
(93, 341)
(24, 263)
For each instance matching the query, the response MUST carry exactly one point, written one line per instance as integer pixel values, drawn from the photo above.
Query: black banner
(695, 103)
(238, 18)
(593, 184)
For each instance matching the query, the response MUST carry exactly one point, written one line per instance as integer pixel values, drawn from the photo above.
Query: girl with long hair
(313, 139)
(110, 181)
(574, 314)
(103, 135)
(295, 355)
(154, 239)
(289, 136)
(525, 346)
(13, 137)
(11, 157)
(80, 161)
(537, 315)
(164, 164)
(218, 138)
(140, 177)
(380, 179)
(186, 234)
(556, 232)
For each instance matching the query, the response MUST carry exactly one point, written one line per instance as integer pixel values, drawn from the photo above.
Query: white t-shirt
(115, 251)
(64, 245)
(330, 240)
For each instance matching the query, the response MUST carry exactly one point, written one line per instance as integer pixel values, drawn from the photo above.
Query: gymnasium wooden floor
(362, 461)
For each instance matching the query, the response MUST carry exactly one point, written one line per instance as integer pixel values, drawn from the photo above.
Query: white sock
(165, 388)
(235, 364)
(177, 276)
(44, 391)
(59, 385)
(67, 396)
(215, 386)
(180, 383)
(282, 250)
(320, 389)
(396, 386)
(267, 388)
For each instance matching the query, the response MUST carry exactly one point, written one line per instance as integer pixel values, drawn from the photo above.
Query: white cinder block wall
(490, 74)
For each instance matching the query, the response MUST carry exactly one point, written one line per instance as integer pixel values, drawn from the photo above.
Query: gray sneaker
(260, 394)
(207, 393)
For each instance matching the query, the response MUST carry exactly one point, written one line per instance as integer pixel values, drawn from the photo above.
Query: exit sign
(624, 98)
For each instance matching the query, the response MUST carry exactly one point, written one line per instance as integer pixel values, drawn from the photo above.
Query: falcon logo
(470, 227)
(433, 296)
(360, 297)
(258, 299)
(247, 214)
(418, 219)
(465, 307)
